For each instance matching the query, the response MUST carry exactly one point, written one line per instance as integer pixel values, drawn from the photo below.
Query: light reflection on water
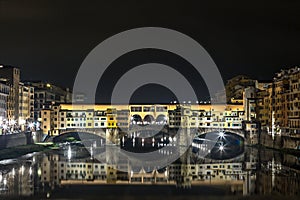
(243, 170)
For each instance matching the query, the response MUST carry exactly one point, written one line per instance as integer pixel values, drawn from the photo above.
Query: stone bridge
(113, 134)
(239, 132)
(99, 132)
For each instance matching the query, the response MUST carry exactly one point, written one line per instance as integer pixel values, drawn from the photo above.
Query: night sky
(49, 39)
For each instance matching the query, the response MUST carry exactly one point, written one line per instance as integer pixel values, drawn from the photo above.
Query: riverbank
(14, 152)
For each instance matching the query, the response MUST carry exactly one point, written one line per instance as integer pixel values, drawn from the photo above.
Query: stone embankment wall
(17, 139)
(280, 142)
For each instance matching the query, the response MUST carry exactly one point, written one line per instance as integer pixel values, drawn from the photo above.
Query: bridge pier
(112, 136)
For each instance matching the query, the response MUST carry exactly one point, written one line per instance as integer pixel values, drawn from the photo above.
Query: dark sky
(48, 39)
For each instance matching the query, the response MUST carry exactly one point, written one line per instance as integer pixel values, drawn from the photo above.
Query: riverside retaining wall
(280, 142)
(16, 139)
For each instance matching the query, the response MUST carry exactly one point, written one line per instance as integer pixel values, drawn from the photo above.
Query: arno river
(75, 171)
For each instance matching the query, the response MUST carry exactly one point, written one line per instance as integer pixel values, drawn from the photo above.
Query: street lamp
(30, 125)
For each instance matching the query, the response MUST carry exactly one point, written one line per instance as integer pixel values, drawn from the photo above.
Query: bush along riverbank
(14, 152)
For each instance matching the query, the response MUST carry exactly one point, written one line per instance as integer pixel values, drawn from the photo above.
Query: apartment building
(4, 92)
(12, 76)
(26, 103)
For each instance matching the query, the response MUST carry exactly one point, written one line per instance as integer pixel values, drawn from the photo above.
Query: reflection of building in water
(211, 173)
(241, 175)
(55, 171)
(152, 177)
(278, 179)
(44, 172)
(17, 181)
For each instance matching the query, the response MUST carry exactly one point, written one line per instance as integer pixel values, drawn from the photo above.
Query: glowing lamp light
(69, 153)
(22, 169)
(221, 148)
(4, 126)
(30, 125)
(221, 134)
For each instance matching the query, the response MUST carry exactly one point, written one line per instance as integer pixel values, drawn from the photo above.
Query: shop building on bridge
(62, 117)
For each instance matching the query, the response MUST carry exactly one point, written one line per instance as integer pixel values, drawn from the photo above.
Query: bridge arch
(238, 132)
(148, 119)
(219, 145)
(136, 119)
(81, 135)
(161, 119)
